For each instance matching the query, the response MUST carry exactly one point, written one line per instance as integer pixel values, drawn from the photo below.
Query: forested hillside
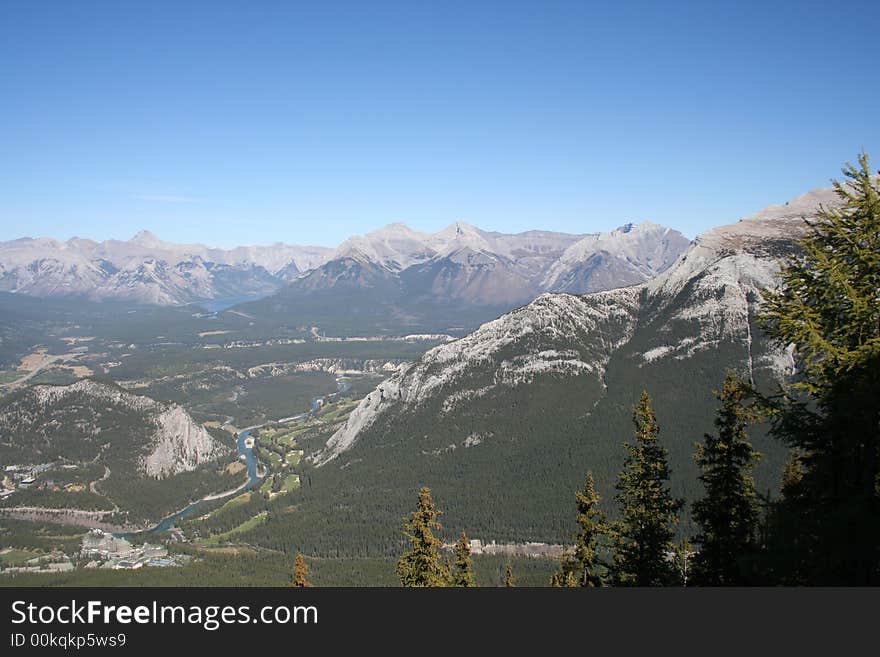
(97, 446)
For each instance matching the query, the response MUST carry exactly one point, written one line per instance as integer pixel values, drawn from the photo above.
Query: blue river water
(253, 480)
(249, 458)
(342, 386)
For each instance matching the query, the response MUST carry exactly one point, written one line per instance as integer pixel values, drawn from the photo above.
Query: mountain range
(708, 298)
(504, 423)
(146, 269)
(460, 264)
(465, 265)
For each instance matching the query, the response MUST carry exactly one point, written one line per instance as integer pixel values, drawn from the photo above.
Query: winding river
(253, 480)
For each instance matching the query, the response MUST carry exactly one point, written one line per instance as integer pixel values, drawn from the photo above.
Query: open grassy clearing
(240, 529)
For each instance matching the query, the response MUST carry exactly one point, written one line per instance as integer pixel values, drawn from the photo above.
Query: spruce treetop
(727, 515)
(643, 538)
(422, 565)
(463, 573)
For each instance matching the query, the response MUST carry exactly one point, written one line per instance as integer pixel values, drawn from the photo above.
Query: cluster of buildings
(23, 477)
(250, 344)
(100, 549)
(54, 562)
(105, 550)
(416, 337)
(529, 549)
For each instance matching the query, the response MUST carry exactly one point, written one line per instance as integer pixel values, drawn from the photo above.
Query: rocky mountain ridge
(709, 297)
(159, 440)
(404, 272)
(459, 264)
(146, 269)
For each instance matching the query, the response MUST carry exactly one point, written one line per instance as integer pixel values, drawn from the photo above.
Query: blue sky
(254, 122)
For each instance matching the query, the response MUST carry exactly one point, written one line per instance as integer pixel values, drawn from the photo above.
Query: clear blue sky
(255, 122)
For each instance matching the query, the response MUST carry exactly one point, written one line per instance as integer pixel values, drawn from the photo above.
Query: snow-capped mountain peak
(395, 246)
(460, 262)
(459, 234)
(146, 269)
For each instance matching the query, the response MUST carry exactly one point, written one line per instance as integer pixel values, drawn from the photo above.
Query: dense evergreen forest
(91, 432)
(823, 525)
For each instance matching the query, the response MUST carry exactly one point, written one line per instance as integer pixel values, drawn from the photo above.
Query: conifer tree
(827, 525)
(727, 515)
(566, 576)
(509, 579)
(300, 572)
(582, 568)
(642, 540)
(422, 565)
(591, 528)
(463, 572)
(783, 548)
(792, 473)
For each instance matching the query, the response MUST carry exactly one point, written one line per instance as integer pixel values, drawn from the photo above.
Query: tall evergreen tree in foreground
(643, 538)
(591, 528)
(728, 513)
(422, 565)
(300, 572)
(463, 571)
(826, 529)
(583, 567)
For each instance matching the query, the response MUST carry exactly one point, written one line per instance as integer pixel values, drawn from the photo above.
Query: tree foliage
(422, 565)
(642, 541)
(826, 529)
(584, 568)
(591, 528)
(509, 579)
(792, 474)
(463, 569)
(566, 576)
(728, 513)
(300, 572)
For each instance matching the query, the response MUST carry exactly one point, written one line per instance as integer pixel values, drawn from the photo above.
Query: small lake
(222, 303)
